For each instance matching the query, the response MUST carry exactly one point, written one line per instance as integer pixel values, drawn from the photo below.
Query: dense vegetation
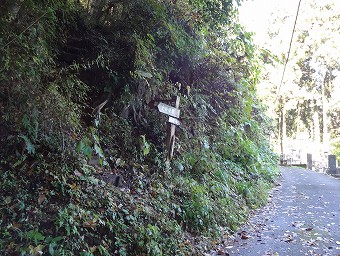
(82, 168)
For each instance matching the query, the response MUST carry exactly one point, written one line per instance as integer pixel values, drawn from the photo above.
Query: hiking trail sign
(173, 121)
(166, 109)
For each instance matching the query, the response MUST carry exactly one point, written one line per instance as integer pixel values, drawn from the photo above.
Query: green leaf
(180, 167)
(35, 235)
(146, 149)
(29, 145)
(51, 248)
(80, 146)
(98, 150)
(145, 146)
(57, 239)
(84, 147)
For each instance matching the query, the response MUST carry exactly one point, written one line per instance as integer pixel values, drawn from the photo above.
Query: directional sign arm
(174, 121)
(166, 109)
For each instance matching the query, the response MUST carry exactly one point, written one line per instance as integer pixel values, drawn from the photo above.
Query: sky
(254, 15)
(258, 15)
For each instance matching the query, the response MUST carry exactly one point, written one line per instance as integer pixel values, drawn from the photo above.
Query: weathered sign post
(173, 121)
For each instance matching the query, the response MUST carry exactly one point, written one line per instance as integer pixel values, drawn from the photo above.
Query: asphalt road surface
(302, 218)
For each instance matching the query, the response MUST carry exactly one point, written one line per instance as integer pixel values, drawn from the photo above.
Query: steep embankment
(82, 167)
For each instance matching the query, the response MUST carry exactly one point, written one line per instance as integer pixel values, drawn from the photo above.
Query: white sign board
(174, 121)
(166, 109)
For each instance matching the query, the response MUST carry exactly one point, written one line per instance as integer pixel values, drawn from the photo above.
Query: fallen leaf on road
(222, 252)
(297, 224)
(288, 238)
(243, 235)
(312, 242)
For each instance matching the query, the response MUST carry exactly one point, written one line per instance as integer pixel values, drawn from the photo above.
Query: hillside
(83, 167)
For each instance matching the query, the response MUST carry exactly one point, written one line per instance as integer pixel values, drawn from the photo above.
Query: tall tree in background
(306, 101)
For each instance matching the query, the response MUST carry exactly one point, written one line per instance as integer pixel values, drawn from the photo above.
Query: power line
(290, 47)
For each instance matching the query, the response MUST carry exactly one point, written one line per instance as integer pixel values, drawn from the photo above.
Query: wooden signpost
(173, 113)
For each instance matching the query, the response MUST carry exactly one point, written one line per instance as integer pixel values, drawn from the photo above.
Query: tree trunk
(316, 127)
(325, 134)
(283, 129)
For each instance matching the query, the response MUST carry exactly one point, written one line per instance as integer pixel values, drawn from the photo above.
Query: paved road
(303, 218)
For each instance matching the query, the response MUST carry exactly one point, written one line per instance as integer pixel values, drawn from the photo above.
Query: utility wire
(290, 47)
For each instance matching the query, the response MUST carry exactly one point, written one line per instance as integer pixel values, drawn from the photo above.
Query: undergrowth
(68, 212)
